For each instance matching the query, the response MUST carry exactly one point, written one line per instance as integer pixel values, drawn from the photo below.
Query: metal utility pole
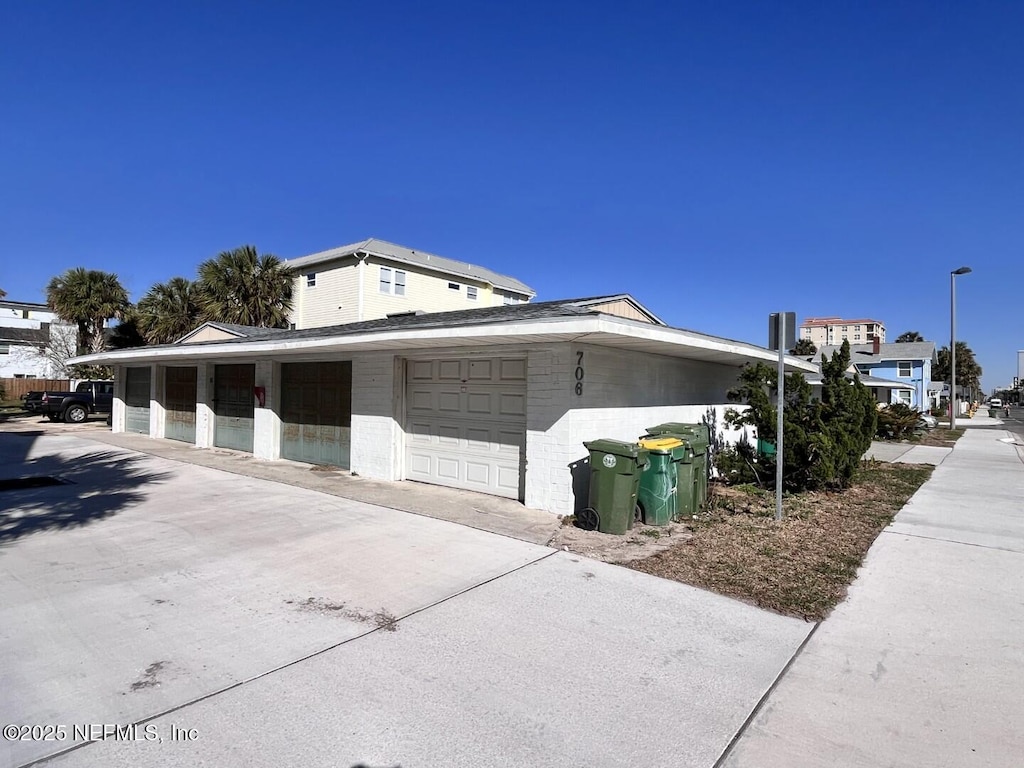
(781, 336)
(778, 417)
(952, 343)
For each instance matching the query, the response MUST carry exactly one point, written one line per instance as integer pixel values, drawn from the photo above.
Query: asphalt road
(1015, 423)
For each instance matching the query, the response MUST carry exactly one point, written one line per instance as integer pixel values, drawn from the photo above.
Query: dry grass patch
(800, 566)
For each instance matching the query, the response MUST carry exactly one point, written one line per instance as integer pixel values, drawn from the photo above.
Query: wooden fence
(15, 388)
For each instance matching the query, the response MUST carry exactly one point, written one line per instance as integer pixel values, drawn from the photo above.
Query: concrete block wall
(117, 418)
(376, 435)
(549, 389)
(157, 393)
(266, 420)
(204, 405)
(616, 395)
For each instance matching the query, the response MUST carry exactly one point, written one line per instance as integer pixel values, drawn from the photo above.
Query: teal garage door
(316, 412)
(233, 406)
(136, 400)
(180, 404)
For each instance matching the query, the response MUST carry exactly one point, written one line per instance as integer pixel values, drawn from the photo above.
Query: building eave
(603, 330)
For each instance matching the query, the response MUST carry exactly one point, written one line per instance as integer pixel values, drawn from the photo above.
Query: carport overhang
(601, 330)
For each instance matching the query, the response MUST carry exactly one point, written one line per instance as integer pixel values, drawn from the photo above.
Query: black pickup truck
(89, 397)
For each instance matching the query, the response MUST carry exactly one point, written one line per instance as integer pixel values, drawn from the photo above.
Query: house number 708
(579, 373)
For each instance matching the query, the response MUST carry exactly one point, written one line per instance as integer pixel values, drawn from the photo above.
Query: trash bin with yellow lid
(661, 496)
(699, 438)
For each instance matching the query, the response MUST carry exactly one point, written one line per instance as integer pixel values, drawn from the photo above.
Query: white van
(995, 402)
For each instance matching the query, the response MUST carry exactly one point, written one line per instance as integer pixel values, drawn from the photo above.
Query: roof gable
(211, 331)
(620, 305)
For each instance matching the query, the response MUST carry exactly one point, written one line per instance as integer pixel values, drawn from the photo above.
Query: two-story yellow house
(372, 279)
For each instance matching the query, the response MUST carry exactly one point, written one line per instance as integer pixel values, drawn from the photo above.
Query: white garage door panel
(466, 423)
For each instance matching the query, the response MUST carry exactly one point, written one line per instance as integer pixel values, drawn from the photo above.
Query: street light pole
(952, 343)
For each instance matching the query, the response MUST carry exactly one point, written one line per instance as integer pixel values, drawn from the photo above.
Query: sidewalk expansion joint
(764, 699)
(390, 627)
(953, 541)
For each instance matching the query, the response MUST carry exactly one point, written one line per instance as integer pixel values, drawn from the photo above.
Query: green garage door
(316, 412)
(233, 406)
(136, 400)
(180, 405)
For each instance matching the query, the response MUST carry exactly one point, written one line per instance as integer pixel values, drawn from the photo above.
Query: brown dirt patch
(800, 566)
(642, 541)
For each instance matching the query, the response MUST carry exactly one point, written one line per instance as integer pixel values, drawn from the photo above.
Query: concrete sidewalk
(281, 626)
(493, 514)
(923, 664)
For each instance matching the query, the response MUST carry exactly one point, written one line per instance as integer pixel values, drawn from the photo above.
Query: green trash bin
(662, 497)
(699, 438)
(993, 413)
(615, 470)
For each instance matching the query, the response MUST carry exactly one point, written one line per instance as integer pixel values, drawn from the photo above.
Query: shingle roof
(30, 305)
(863, 353)
(536, 310)
(25, 335)
(481, 316)
(377, 247)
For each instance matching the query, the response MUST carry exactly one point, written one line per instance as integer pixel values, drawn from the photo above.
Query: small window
(903, 396)
(399, 283)
(856, 337)
(385, 280)
(454, 287)
(844, 328)
(5, 349)
(471, 292)
(904, 369)
(311, 280)
(509, 298)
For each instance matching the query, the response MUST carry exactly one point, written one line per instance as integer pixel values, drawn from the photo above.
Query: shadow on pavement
(87, 488)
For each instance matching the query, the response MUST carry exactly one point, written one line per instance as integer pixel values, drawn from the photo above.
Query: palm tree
(243, 287)
(909, 336)
(968, 372)
(168, 311)
(88, 298)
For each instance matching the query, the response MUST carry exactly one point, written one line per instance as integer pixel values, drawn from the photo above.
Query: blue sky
(719, 161)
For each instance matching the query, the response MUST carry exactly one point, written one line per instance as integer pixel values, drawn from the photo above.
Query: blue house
(910, 362)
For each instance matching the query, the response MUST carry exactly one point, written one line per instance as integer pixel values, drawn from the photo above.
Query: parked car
(927, 421)
(88, 398)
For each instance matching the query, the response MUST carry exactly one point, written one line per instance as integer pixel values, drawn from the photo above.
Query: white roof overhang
(602, 330)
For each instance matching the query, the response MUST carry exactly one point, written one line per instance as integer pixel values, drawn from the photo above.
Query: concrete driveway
(241, 622)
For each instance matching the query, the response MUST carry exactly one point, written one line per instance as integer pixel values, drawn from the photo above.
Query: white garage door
(466, 423)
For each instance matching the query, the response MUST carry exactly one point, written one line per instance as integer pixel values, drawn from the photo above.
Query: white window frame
(392, 281)
(311, 279)
(471, 292)
(899, 369)
(904, 396)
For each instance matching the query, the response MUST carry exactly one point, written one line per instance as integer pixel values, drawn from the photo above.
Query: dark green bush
(825, 439)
